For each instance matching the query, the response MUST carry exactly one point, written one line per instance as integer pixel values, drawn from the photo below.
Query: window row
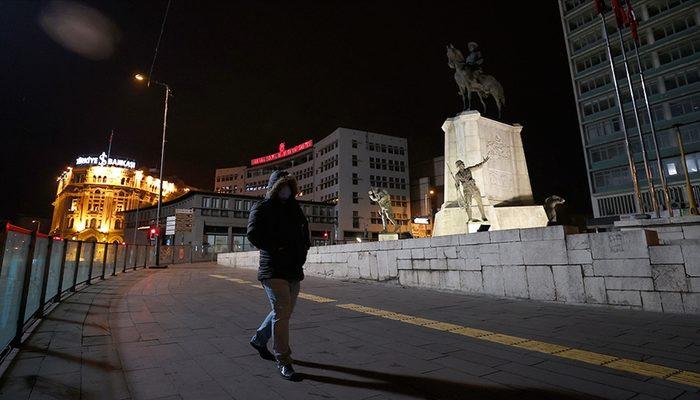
(387, 182)
(327, 148)
(384, 164)
(386, 148)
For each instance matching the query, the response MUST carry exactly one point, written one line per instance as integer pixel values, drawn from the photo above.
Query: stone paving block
(438, 279)
(580, 257)
(540, 282)
(452, 280)
(667, 254)
(546, 252)
(425, 278)
(578, 241)
(587, 269)
(651, 301)
(628, 283)
(415, 243)
(493, 280)
(595, 290)
(431, 252)
(421, 264)
(672, 302)
(404, 264)
(694, 284)
(510, 253)
(515, 281)
(403, 254)
(475, 238)
(417, 254)
(408, 277)
(505, 235)
(568, 283)
(691, 256)
(669, 278)
(449, 252)
(438, 264)
(622, 244)
(471, 251)
(691, 302)
(691, 232)
(471, 281)
(448, 240)
(624, 297)
(638, 267)
(390, 245)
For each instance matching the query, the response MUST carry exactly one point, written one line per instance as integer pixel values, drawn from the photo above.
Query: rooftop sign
(103, 161)
(282, 153)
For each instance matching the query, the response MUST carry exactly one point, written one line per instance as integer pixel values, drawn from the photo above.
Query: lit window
(671, 168)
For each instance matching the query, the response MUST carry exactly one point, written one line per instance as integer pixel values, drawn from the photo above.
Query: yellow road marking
(238, 280)
(219, 276)
(313, 297)
(541, 347)
(621, 364)
(642, 368)
(257, 285)
(686, 378)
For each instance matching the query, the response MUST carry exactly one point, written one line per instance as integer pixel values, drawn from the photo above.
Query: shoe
(485, 219)
(286, 371)
(263, 351)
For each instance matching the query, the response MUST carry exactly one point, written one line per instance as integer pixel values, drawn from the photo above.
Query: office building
(670, 55)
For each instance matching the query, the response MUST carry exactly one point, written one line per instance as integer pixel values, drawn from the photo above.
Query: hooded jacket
(280, 230)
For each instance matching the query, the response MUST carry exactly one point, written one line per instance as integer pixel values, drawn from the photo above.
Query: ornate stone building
(93, 193)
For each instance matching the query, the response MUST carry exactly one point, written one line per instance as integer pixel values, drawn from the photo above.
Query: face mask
(284, 193)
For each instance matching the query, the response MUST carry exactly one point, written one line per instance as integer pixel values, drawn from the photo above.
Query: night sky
(248, 75)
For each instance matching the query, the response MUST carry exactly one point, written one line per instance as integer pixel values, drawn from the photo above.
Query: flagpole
(650, 116)
(109, 148)
(650, 178)
(623, 125)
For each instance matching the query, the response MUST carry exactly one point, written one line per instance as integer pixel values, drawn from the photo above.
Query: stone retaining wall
(624, 269)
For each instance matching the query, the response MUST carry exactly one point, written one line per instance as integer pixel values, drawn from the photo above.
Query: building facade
(219, 221)
(339, 170)
(669, 33)
(230, 180)
(93, 193)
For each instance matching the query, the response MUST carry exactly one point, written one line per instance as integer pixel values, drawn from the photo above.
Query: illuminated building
(340, 169)
(669, 33)
(93, 193)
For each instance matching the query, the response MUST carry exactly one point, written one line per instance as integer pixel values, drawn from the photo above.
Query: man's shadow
(426, 388)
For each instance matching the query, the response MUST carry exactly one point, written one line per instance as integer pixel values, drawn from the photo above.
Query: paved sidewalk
(182, 333)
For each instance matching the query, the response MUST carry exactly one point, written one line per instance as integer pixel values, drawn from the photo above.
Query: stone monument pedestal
(504, 181)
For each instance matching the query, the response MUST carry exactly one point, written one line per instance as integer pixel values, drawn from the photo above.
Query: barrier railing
(37, 271)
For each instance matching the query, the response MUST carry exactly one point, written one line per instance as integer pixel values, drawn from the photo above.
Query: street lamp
(38, 224)
(168, 93)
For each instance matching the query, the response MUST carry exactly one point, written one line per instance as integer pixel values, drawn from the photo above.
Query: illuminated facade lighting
(93, 193)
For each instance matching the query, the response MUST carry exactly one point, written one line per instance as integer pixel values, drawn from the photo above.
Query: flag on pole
(632, 21)
(599, 6)
(620, 14)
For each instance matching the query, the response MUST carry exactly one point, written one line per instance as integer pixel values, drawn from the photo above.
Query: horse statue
(470, 79)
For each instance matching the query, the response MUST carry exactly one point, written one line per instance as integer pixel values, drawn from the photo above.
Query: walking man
(277, 226)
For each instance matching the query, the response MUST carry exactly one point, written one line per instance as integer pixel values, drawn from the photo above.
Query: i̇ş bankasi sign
(103, 161)
(282, 153)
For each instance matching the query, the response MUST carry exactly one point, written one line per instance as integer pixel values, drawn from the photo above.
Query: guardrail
(30, 285)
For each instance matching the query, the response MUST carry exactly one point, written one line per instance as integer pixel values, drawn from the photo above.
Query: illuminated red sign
(282, 153)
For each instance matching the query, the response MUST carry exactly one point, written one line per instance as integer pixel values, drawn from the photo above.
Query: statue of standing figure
(383, 200)
(468, 189)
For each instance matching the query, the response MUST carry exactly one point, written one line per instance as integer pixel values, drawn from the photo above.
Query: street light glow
(139, 77)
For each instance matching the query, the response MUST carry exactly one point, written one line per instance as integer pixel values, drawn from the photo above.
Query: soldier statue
(474, 59)
(383, 200)
(469, 189)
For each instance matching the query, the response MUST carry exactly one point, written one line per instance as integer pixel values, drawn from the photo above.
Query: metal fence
(37, 271)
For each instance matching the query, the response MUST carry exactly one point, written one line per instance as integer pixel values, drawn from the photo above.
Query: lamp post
(168, 93)
(38, 224)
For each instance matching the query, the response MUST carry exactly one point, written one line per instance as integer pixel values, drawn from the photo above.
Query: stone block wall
(624, 269)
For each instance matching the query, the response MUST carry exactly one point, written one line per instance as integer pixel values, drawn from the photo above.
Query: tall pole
(623, 125)
(652, 126)
(650, 177)
(136, 224)
(160, 173)
(109, 148)
(688, 187)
